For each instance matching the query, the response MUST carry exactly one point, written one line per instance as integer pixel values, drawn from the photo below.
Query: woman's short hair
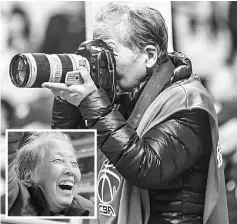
(135, 26)
(32, 152)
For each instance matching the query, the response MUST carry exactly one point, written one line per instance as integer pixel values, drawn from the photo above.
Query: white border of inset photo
(8, 218)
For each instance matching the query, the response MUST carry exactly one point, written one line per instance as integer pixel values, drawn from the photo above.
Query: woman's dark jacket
(171, 160)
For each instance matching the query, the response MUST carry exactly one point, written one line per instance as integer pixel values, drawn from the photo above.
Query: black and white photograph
(154, 81)
(51, 173)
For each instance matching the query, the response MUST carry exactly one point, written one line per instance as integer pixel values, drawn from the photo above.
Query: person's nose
(68, 169)
(68, 172)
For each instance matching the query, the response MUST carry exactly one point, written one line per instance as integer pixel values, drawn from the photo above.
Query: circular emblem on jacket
(108, 182)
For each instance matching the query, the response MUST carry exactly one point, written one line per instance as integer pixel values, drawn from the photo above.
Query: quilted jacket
(170, 161)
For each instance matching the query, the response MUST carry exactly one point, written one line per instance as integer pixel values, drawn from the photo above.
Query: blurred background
(206, 35)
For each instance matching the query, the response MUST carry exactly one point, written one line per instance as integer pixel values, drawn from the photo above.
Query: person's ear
(28, 178)
(28, 175)
(151, 55)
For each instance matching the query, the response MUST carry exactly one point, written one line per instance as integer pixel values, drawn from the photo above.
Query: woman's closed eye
(74, 164)
(57, 161)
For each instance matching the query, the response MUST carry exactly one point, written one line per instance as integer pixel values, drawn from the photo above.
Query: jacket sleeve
(13, 187)
(160, 156)
(66, 115)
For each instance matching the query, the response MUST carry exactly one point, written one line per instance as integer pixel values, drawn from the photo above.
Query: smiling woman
(44, 176)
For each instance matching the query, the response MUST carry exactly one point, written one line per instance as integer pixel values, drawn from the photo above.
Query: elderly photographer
(43, 177)
(161, 162)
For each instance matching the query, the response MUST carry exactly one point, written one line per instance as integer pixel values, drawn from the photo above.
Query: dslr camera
(32, 70)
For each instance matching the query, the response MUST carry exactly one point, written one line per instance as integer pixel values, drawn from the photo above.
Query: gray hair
(135, 26)
(32, 153)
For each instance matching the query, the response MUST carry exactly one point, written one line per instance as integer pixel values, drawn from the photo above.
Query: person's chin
(63, 203)
(125, 87)
(65, 198)
(59, 205)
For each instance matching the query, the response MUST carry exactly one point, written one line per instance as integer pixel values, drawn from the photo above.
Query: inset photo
(51, 173)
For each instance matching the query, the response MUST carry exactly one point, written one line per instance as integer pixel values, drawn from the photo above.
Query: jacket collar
(153, 87)
(177, 68)
(39, 202)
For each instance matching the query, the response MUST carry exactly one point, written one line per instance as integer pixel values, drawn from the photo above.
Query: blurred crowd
(206, 35)
(35, 27)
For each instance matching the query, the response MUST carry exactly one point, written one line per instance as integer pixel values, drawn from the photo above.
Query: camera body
(32, 70)
(102, 64)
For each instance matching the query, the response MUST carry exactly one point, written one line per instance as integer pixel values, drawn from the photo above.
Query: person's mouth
(66, 185)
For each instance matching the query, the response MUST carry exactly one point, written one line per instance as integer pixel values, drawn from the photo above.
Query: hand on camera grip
(73, 78)
(74, 93)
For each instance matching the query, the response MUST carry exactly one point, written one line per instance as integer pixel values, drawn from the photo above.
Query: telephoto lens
(32, 70)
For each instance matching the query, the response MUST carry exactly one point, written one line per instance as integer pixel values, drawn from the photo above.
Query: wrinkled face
(130, 66)
(58, 175)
